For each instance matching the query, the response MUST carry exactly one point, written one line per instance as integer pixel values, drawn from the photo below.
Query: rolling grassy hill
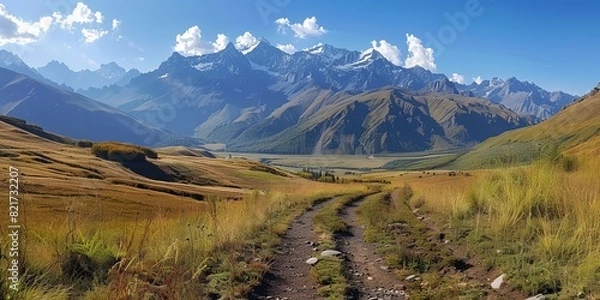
(575, 131)
(94, 225)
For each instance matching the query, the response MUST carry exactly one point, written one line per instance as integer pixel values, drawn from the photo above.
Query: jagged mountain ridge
(107, 74)
(14, 63)
(521, 96)
(245, 98)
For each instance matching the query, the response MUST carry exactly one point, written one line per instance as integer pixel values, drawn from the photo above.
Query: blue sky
(549, 42)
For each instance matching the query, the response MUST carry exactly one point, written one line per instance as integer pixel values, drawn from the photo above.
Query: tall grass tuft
(541, 219)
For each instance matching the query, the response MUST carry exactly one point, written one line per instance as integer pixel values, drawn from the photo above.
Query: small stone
(385, 268)
(537, 297)
(312, 261)
(497, 283)
(315, 249)
(369, 278)
(327, 253)
(410, 277)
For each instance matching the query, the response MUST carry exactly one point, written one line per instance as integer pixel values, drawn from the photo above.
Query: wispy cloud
(116, 24)
(91, 35)
(14, 30)
(287, 48)
(457, 78)
(81, 14)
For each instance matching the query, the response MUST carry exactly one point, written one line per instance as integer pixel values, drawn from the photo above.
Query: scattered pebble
(537, 297)
(410, 277)
(312, 261)
(498, 282)
(327, 253)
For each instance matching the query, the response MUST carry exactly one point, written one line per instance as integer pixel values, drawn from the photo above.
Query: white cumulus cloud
(81, 14)
(245, 41)
(308, 28)
(389, 51)
(478, 80)
(14, 30)
(91, 35)
(115, 24)
(287, 48)
(220, 43)
(457, 78)
(190, 43)
(418, 55)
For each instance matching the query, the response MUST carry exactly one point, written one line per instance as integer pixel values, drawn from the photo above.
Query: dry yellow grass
(537, 223)
(74, 201)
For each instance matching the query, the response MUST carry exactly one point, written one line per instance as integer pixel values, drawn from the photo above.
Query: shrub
(569, 164)
(122, 152)
(88, 259)
(84, 144)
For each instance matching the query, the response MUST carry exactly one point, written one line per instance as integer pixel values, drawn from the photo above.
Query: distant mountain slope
(68, 113)
(14, 63)
(106, 75)
(521, 96)
(382, 121)
(576, 130)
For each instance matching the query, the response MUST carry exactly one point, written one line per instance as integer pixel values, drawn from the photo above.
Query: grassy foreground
(218, 250)
(538, 223)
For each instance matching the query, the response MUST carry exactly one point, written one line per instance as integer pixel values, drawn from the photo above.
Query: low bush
(84, 144)
(122, 152)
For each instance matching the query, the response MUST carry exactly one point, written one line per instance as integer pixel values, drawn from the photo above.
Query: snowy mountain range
(106, 75)
(263, 99)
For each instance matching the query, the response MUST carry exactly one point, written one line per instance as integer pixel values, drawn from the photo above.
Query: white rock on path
(312, 261)
(537, 297)
(330, 253)
(410, 278)
(498, 282)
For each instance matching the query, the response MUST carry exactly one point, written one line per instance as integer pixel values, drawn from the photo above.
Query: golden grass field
(81, 212)
(186, 225)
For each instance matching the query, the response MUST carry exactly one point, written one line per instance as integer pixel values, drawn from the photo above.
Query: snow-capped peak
(249, 47)
(316, 49)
